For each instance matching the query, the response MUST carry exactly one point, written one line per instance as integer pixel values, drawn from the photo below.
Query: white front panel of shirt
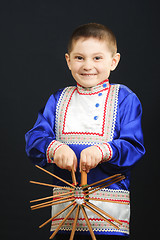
(85, 113)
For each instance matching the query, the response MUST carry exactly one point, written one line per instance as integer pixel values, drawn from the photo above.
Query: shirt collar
(93, 90)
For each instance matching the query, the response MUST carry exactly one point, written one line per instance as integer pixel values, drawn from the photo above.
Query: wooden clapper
(75, 205)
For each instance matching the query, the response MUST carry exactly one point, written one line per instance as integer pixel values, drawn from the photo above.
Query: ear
(115, 61)
(67, 57)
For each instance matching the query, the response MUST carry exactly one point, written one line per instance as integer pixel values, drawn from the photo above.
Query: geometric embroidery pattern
(98, 224)
(93, 203)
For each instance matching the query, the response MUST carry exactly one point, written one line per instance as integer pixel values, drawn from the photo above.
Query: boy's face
(90, 61)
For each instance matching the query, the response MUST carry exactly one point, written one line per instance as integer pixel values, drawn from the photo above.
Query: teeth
(88, 74)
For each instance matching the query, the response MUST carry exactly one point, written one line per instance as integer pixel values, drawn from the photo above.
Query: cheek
(102, 69)
(75, 67)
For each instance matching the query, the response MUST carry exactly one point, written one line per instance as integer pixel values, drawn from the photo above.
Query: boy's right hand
(65, 158)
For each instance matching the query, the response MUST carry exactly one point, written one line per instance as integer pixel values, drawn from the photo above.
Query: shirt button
(100, 94)
(97, 104)
(104, 85)
(95, 117)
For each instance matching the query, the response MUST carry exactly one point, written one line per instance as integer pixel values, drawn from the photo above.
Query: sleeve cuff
(52, 148)
(106, 151)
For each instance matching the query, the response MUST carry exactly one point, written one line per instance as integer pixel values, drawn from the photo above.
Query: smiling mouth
(88, 74)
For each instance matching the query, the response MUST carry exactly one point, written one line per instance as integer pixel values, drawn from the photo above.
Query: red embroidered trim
(105, 110)
(66, 112)
(106, 80)
(48, 150)
(100, 150)
(91, 219)
(57, 148)
(115, 200)
(86, 133)
(101, 83)
(110, 151)
(93, 93)
(82, 219)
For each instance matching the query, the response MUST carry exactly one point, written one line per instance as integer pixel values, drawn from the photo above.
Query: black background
(33, 42)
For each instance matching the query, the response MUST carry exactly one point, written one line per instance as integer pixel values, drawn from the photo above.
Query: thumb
(75, 164)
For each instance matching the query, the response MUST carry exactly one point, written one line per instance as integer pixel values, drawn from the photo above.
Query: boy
(93, 126)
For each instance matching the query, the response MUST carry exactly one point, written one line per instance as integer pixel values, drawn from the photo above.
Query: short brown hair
(94, 30)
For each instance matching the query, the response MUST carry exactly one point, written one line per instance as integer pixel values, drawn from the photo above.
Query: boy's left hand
(90, 158)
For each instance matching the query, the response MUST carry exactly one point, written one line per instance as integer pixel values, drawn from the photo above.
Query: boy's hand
(90, 158)
(65, 158)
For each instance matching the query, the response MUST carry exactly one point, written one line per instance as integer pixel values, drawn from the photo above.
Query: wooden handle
(73, 177)
(83, 178)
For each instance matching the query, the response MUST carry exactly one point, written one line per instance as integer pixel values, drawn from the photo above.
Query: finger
(75, 164)
(69, 164)
(63, 163)
(83, 167)
(93, 163)
(72, 163)
(56, 161)
(59, 163)
(87, 170)
(82, 162)
(88, 164)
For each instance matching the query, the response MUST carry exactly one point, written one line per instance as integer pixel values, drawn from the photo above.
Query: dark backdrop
(33, 41)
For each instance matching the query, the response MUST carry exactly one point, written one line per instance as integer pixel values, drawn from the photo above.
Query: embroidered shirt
(108, 116)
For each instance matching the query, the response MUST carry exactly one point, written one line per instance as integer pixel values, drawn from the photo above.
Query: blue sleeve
(127, 146)
(42, 134)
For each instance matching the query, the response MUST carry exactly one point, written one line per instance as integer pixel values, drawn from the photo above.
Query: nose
(88, 65)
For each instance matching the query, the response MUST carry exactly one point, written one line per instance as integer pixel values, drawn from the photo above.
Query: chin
(88, 83)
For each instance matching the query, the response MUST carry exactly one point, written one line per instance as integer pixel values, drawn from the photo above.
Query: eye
(97, 58)
(79, 58)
